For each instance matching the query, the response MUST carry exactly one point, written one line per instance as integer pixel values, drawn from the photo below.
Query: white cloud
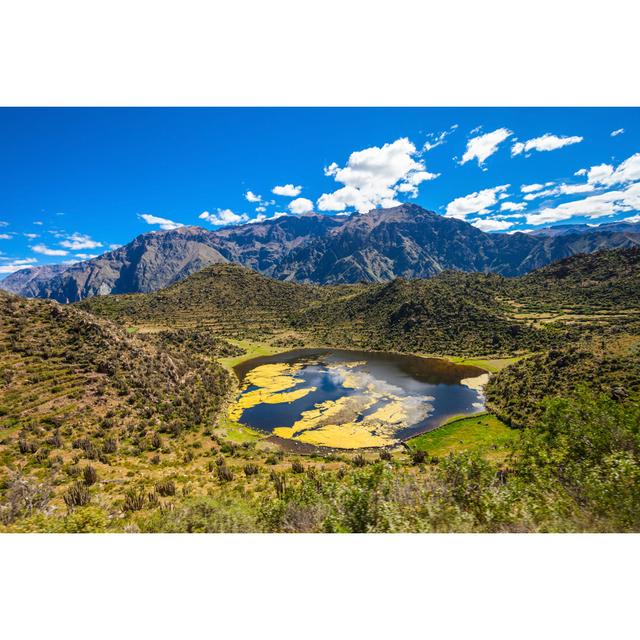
(113, 247)
(77, 241)
(252, 197)
(491, 225)
(223, 217)
(414, 180)
(288, 190)
(481, 147)
(540, 194)
(606, 175)
(436, 139)
(512, 206)
(5, 236)
(301, 205)
(617, 132)
(374, 176)
(16, 265)
(580, 172)
(567, 189)
(547, 142)
(476, 202)
(262, 218)
(3, 223)
(86, 256)
(632, 219)
(528, 188)
(597, 206)
(46, 251)
(164, 224)
(31, 236)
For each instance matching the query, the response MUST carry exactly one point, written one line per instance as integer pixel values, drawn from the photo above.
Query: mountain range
(405, 241)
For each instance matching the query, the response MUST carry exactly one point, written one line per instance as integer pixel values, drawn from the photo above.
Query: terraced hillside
(453, 313)
(77, 388)
(229, 299)
(609, 365)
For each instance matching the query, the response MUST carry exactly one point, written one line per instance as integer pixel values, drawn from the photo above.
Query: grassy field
(252, 350)
(488, 364)
(484, 434)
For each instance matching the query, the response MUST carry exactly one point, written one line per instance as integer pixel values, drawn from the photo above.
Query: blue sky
(76, 182)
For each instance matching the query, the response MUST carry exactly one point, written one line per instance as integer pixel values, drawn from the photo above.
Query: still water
(352, 399)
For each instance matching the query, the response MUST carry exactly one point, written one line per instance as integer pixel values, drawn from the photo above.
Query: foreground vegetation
(122, 426)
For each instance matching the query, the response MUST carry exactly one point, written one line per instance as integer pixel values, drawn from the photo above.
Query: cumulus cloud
(163, 223)
(301, 205)
(547, 142)
(617, 132)
(77, 241)
(512, 206)
(252, 197)
(632, 219)
(483, 146)
(606, 175)
(374, 176)
(223, 217)
(114, 246)
(596, 206)
(86, 256)
(5, 236)
(16, 265)
(46, 251)
(288, 190)
(491, 225)
(476, 202)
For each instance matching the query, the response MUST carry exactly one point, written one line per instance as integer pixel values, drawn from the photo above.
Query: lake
(353, 399)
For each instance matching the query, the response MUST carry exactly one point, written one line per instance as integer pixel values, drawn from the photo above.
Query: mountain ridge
(405, 241)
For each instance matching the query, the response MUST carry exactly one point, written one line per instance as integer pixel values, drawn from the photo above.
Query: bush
(90, 475)
(134, 500)
(110, 445)
(224, 473)
(418, 456)
(250, 469)
(166, 488)
(279, 483)
(385, 455)
(77, 496)
(297, 466)
(359, 460)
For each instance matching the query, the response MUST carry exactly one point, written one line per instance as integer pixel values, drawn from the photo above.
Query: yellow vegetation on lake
(272, 381)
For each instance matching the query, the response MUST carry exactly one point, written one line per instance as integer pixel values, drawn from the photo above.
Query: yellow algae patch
(265, 396)
(343, 409)
(273, 381)
(332, 424)
(274, 377)
(350, 435)
(394, 412)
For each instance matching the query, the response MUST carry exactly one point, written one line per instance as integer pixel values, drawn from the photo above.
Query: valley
(117, 413)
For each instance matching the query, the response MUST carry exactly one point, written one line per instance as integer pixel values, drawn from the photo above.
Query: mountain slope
(405, 241)
(62, 365)
(230, 299)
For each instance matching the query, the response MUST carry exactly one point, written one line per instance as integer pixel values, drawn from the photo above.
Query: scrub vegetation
(115, 413)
